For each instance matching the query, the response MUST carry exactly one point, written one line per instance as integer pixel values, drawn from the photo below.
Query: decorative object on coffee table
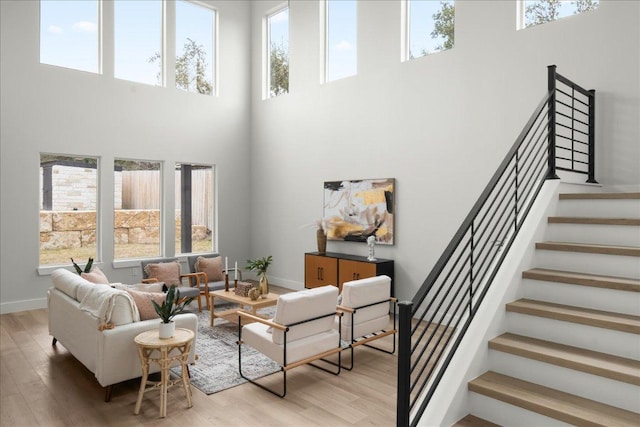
(261, 265)
(169, 308)
(245, 303)
(242, 288)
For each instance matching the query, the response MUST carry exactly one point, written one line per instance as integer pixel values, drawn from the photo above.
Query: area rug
(217, 366)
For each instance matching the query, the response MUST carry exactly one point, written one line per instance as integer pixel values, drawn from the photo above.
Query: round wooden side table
(164, 352)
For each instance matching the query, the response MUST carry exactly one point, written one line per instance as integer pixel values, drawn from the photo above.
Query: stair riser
(590, 386)
(588, 337)
(599, 208)
(508, 415)
(622, 235)
(583, 296)
(609, 265)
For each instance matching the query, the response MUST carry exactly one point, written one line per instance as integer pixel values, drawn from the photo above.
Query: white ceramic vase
(167, 330)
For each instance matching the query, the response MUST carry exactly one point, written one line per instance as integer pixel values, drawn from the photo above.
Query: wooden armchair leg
(107, 393)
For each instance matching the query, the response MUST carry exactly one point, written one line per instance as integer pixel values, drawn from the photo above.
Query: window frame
(162, 212)
(99, 40)
(521, 14)
(266, 36)
(214, 198)
(48, 268)
(214, 45)
(325, 45)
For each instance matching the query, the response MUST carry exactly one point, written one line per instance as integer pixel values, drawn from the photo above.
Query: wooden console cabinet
(334, 268)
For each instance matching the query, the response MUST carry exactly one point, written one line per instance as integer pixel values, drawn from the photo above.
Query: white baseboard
(24, 305)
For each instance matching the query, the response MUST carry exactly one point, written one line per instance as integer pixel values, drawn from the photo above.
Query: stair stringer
(451, 400)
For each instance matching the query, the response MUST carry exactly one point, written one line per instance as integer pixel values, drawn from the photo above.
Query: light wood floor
(41, 385)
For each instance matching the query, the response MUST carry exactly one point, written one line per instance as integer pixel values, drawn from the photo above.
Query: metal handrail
(433, 324)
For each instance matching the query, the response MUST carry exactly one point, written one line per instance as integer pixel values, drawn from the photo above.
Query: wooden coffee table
(245, 304)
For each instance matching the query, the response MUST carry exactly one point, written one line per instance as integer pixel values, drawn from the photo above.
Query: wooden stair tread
(584, 316)
(592, 220)
(589, 248)
(593, 362)
(583, 279)
(473, 421)
(550, 402)
(595, 196)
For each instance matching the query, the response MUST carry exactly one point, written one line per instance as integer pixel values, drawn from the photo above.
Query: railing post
(592, 137)
(551, 122)
(404, 363)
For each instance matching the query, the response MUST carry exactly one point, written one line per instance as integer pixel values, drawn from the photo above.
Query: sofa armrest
(117, 356)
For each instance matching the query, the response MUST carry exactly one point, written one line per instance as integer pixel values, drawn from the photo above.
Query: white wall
(440, 124)
(56, 110)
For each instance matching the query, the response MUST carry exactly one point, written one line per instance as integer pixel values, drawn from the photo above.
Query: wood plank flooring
(41, 385)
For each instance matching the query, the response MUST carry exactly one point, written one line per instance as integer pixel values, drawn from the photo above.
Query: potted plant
(87, 268)
(171, 306)
(261, 265)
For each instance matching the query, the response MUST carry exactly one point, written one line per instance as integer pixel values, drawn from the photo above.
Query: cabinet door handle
(320, 273)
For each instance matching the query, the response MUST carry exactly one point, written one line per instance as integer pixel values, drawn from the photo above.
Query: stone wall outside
(75, 229)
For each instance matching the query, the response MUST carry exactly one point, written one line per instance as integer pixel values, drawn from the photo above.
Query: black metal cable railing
(558, 135)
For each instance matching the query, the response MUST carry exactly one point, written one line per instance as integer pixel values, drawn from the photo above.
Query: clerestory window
(429, 27)
(341, 35)
(535, 12)
(69, 34)
(277, 53)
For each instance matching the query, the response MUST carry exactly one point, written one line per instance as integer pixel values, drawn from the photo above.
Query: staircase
(572, 353)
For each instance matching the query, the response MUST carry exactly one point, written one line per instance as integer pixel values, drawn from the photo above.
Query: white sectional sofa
(100, 335)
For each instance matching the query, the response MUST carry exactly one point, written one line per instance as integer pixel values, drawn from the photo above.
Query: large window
(137, 189)
(68, 202)
(430, 27)
(138, 41)
(278, 53)
(341, 39)
(534, 12)
(195, 54)
(69, 34)
(194, 208)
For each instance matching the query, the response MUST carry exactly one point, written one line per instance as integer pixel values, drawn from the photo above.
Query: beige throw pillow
(212, 267)
(167, 272)
(144, 304)
(96, 276)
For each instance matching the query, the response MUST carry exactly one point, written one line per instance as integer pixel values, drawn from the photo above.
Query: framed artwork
(357, 209)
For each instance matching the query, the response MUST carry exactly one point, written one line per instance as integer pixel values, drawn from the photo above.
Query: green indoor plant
(171, 306)
(87, 268)
(260, 266)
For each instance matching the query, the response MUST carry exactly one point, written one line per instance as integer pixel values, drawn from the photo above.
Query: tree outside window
(278, 53)
(431, 27)
(541, 11)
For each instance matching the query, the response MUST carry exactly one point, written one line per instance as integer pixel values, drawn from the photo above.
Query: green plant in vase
(260, 266)
(170, 307)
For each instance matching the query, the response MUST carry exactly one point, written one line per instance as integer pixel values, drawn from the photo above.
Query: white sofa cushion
(67, 282)
(296, 306)
(257, 336)
(358, 293)
(107, 304)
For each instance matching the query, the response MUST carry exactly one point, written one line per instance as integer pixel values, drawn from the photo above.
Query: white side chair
(365, 304)
(300, 332)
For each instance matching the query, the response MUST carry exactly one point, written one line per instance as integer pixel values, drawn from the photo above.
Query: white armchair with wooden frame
(300, 333)
(365, 304)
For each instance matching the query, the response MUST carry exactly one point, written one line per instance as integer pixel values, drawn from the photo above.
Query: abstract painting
(357, 209)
